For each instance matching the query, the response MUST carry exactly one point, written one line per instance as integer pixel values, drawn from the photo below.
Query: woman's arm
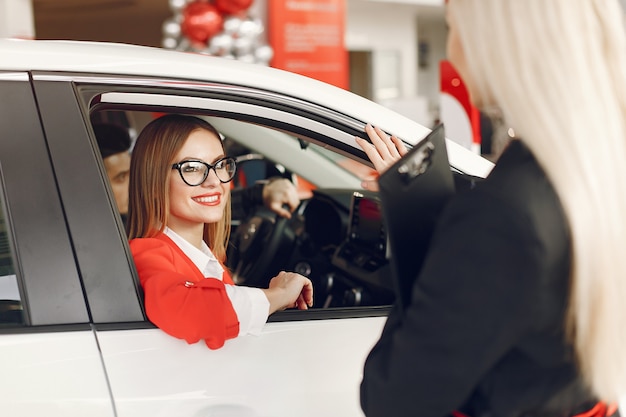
(179, 300)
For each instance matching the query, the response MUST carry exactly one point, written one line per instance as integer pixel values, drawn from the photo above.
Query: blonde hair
(150, 171)
(556, 69)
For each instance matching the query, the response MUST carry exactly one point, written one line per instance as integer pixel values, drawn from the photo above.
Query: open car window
(316, 242)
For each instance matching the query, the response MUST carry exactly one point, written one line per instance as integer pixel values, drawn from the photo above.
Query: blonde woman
(179, 223)
(520, 308)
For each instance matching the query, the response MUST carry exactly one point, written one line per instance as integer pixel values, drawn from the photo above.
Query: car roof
(124, 59)
(102, 58)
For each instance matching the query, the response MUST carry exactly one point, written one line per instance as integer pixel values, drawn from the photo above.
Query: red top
(178, 298)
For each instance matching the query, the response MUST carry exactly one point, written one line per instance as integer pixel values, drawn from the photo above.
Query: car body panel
(152, 373)
(53, 374)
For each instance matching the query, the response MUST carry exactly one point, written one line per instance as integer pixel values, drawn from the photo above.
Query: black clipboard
(413, 192)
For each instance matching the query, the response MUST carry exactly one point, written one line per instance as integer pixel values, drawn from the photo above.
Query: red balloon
(201, 21)
(233, 6)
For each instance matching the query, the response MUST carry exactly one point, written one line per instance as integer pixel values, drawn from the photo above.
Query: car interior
(335, 237)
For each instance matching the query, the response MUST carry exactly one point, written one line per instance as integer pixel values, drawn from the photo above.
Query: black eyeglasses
(195, 173)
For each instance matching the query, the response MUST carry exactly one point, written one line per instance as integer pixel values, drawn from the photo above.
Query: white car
(74, 337)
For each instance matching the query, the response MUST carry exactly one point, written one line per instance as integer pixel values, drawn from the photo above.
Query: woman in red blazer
(178, 225)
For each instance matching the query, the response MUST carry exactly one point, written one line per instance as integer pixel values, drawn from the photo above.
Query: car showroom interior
(312, 208)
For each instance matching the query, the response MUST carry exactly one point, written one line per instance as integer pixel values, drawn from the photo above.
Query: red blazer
(178, 298)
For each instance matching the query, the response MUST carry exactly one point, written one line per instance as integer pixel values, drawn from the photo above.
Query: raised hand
(383, 151)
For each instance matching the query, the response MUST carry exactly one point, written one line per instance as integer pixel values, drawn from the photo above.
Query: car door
(49, 356)
(308, 363)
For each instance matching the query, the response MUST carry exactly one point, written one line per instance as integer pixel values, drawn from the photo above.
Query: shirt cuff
(252, 308)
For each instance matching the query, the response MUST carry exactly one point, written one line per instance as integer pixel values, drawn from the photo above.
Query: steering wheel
(259, 248)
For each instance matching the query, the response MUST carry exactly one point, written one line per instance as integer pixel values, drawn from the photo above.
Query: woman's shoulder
(518, 195)
(519, 181)
(160, 241)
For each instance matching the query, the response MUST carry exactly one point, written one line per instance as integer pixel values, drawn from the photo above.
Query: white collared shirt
(250, 304)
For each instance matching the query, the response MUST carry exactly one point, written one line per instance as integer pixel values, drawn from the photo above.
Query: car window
(316, 242)
(10, 299)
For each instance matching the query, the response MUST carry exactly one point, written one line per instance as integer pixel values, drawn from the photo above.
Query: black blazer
(484, 330)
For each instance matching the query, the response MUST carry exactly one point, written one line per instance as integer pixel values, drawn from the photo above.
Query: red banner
(460, 117)
(307, 38)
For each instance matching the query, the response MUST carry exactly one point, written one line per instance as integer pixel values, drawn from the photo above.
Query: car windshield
(355, 168)
(322, 167)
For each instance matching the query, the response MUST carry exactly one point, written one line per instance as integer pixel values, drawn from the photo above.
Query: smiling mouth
(207, 199)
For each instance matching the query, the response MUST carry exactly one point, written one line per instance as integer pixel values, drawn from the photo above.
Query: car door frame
(113, 294)
(51, 363)
(65, 101)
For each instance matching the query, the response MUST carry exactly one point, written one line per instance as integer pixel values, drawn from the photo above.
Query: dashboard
(341, 246)
(337, 238)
